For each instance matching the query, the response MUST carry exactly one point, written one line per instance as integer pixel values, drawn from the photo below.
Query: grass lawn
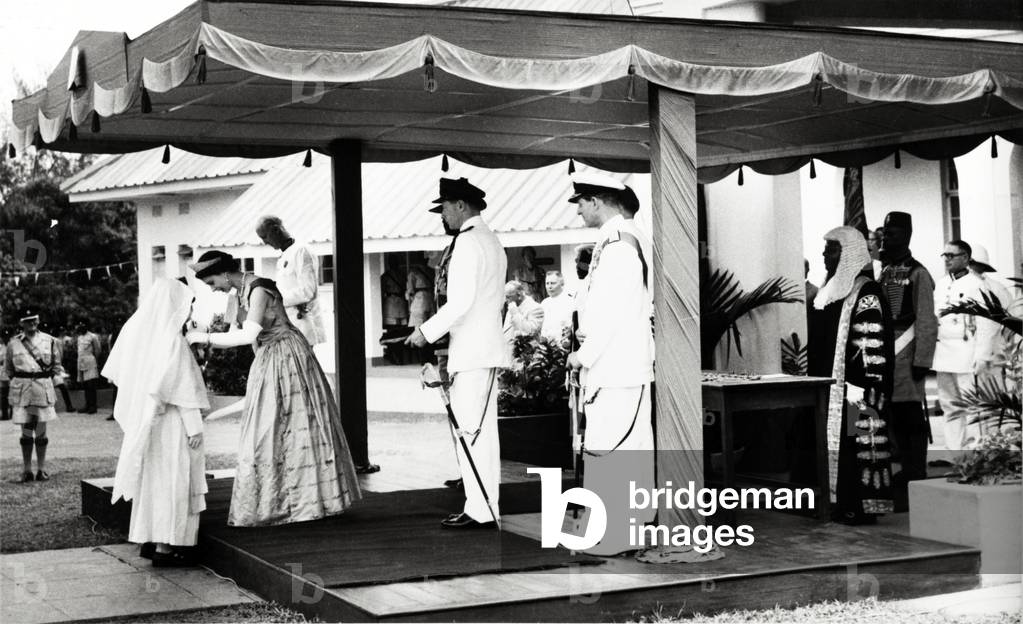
(46, 516)
(869, 610)
(254, 612)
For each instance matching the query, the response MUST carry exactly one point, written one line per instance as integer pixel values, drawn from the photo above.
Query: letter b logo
(554, 504)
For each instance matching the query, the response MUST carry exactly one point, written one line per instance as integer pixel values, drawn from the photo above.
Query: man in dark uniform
(909, 289)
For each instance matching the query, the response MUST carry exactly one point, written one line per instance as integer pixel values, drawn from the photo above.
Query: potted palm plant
(723, 301)
(533, 416)
(980, 503)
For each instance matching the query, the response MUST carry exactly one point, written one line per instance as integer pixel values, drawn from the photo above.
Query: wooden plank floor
(795, 560)
(786, 545)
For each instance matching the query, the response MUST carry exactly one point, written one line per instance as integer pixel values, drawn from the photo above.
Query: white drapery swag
(514, 73)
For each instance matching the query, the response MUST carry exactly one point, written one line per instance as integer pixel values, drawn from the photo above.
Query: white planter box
(987, 517)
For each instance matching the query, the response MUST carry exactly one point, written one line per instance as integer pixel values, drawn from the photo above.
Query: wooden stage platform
(311, 566)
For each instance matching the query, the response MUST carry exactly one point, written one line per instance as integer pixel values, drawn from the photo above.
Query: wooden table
(725, 396)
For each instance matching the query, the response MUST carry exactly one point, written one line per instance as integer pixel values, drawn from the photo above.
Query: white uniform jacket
(475, 291)
(618, 349)
(298, 280)
(962, 339)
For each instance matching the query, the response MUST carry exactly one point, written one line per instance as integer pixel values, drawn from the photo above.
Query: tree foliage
(36, 215)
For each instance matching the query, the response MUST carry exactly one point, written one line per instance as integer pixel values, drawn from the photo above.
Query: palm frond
(723, 302)
(990, 308)
(990, 403)
(793, 356)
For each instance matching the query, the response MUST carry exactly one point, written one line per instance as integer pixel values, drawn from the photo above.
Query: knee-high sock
(41, 452)
(26, 451)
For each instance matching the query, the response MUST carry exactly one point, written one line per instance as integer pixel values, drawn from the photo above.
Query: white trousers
(474, 401)
(615, 456)
(958, 434)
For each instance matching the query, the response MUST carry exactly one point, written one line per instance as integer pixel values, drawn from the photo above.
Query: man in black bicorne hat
(471, 319)
(909, 289)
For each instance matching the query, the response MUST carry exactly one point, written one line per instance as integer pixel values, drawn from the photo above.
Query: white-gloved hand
(234, 338)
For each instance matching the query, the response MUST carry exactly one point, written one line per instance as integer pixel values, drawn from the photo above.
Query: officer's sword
(430, 378)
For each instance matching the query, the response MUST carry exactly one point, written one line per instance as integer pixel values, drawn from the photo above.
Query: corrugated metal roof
(592, 7)
(396, 198)
(146, 168)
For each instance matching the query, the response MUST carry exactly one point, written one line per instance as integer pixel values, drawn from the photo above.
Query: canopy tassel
(166, 154)
(94, 125)
(72, 131)
(741, 180)
(571, 166)
(200, 65)
(630, 95)
(147, 104)
(813, 170)
(818, 89)
(308, 160)
(429, 82)
(994, 147)
(444, 166)
(898, 158)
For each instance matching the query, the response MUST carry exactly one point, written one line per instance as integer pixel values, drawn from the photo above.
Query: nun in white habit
(161, 468)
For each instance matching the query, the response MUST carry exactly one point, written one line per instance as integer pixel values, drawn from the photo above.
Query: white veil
(152, 366)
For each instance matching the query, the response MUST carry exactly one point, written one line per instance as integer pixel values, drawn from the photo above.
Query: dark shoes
(464, 521)
(146, 550)
(42, 475)
(367, 469)
(940, 463)
(91, 410)
(171, 560)
(27, 477)
(455, 484)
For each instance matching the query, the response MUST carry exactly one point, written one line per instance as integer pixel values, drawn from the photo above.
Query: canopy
(517, 89)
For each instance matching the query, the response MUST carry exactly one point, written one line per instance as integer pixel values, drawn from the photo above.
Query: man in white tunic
(617, 360)
(471, 316)
(161, 467)
(557, 308)
(298, 279)
(965, 345)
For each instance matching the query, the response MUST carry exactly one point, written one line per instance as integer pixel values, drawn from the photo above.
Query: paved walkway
(104, 582)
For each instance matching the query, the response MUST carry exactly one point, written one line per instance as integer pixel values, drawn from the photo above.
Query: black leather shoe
(42, 475)
(146, 550)
(455, 484)
(171, 560)
(940, 463)
(464, 521)
(367, 469)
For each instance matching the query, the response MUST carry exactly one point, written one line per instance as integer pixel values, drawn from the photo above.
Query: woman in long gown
(293, 460)
(161, 467)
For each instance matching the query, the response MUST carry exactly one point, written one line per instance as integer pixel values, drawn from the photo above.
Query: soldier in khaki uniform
(32, 359)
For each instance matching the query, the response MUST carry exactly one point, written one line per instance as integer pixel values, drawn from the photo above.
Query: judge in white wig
(161, 468)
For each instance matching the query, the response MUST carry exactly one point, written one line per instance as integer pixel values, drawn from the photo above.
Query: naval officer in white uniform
(617, 359)
(471, 316)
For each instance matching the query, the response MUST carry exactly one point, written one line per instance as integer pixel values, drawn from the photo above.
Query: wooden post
(679, 416)
(349, 313)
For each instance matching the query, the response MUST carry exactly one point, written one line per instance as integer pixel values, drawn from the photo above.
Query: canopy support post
(678, 416)
(349, 312)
